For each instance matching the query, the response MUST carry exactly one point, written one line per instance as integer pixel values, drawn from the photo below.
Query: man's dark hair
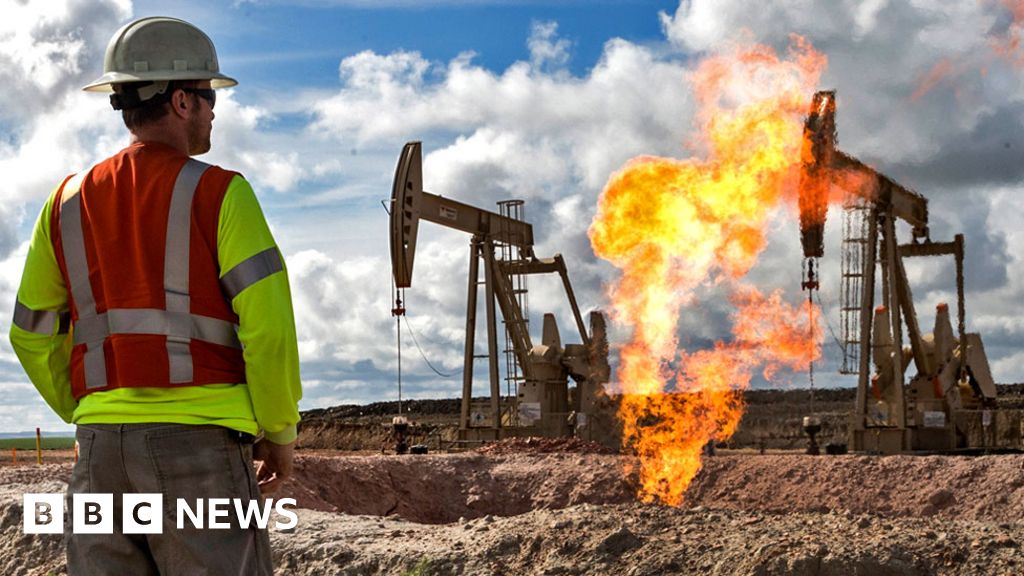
(138, 114)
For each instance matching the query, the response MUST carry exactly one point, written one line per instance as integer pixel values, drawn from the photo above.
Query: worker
(154, 313)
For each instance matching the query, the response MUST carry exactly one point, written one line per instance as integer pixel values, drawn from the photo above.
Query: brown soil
(517, 508)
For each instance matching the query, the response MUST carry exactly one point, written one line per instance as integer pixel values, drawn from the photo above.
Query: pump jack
(541, 406)
(951, 403)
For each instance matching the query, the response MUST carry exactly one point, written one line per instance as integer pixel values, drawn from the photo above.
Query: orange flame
(672, 226)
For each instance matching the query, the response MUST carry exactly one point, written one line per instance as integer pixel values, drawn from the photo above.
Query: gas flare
(673, 226)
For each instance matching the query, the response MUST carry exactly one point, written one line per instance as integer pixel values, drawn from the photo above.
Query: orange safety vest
(137, 246)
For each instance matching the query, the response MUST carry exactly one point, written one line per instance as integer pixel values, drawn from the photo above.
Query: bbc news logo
(144, 513)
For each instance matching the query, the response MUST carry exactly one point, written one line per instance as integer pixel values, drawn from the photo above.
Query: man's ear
(179, 103)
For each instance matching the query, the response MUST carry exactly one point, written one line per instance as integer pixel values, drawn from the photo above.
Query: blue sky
(533, 100)
(494, 31)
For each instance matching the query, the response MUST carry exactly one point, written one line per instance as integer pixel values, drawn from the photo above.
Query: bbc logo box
(44, 514)
(93, 514)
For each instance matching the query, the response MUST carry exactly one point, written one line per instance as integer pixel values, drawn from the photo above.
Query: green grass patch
(54, 443)
(422, 568)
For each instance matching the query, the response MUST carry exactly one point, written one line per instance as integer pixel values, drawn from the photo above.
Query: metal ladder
(510, 254)
(853, 266)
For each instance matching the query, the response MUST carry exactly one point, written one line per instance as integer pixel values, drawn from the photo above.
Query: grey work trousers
(177, 461)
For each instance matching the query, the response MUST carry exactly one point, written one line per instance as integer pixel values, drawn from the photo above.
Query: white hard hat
(159, 49)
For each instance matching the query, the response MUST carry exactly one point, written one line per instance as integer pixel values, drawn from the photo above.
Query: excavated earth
(566, 508)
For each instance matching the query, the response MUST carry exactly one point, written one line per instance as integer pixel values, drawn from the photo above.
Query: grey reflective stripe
(175, 325)
(216, 331)
(91, 329)
(39, 321)
(176, 270)
(179, 231)
(250, 271)
(73, 242)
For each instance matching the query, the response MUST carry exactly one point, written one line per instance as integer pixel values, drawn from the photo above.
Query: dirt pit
(500, 479)
(538, 511)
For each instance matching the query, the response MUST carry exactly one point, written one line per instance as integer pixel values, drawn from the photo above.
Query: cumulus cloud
(48, 49)
(628, 101)
(47, 52)
(347, 337)
(547, 50)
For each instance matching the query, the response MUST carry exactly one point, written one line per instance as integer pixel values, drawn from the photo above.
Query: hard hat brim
(106, 82)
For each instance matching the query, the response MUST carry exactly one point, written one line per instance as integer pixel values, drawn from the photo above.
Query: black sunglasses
(208, 94)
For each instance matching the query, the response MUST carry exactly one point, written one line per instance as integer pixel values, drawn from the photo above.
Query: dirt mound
(535, 445)
(569, 513)
(985, 488)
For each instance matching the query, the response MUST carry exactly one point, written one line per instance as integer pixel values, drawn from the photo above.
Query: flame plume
(672, 226)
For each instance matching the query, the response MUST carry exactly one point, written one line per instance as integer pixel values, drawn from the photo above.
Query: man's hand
(273, 464)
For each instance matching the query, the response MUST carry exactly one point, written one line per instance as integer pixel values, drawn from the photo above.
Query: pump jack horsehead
(950, 404)
(541, 405)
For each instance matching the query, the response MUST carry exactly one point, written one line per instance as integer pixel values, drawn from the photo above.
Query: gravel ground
(537, 511)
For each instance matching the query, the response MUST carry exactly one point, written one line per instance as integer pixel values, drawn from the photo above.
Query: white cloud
(338, 306)
(47, 52)
(19, 414)
(47, 48)
(629, 100)
(547, 50)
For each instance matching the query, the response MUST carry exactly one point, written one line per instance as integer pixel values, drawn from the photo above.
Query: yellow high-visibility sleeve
(266, 320)
(45, 354)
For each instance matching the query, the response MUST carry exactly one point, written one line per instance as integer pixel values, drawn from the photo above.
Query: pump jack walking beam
(411, 203)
